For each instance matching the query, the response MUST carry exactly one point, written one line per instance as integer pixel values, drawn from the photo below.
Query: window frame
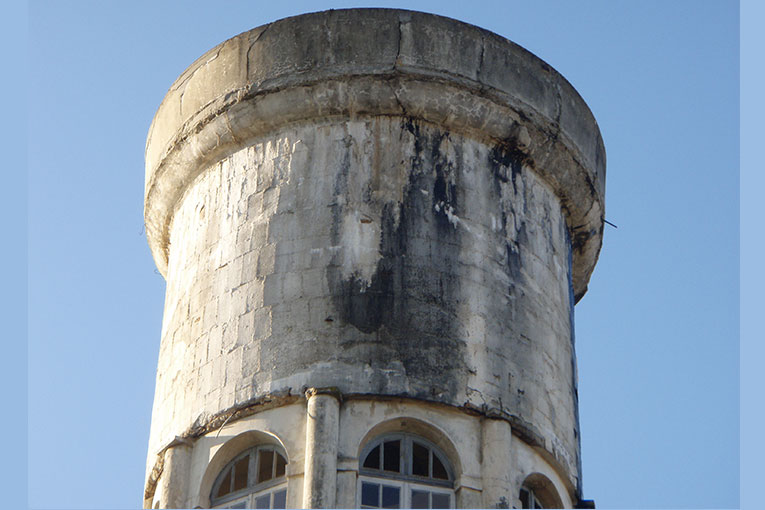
(249, 499)
(406, 488)
(541, 492)
(533, 499)
(250, 492)
(405, 480)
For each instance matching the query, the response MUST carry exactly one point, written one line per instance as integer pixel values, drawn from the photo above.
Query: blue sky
(657, 333)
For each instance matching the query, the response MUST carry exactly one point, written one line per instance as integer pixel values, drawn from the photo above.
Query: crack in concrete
(398, 47)
(481, 61)
(249, 49)
(398, 99)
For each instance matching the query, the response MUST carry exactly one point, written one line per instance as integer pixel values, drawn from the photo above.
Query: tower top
(379, 62)
(398, 210)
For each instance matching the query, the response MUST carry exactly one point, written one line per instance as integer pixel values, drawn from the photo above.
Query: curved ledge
(368, 62)
(521, 429)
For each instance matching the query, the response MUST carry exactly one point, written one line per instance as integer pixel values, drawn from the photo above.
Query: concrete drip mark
(328, 31)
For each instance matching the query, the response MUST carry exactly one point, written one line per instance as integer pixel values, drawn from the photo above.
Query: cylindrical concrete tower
(374, 225)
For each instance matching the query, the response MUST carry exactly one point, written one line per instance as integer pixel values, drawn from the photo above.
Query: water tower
(374, 225)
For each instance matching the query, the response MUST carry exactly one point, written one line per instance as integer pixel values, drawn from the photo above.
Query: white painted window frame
(252, 492)
(249, 499)
(406, 481)
(406, 488)
(533, 499)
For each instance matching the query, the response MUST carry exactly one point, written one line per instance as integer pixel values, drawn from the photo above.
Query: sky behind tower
(656, 334)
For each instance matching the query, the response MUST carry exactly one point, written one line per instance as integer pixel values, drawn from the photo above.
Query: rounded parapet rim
(367, 62)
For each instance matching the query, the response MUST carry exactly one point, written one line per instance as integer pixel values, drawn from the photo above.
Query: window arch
(538, 491)
(404, 471)
(256, 478)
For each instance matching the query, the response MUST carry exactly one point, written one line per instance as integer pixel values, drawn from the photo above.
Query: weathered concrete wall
(378, 61)
(384, 202)
(381, 256)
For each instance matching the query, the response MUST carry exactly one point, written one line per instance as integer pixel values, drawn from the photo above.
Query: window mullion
(252, 475)
(405, 479)
(405, 458)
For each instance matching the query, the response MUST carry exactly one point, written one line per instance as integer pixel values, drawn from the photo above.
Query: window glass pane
(263, 501)
(420, 457)
(370, 494)
(373, 458)
(525, 498)
(440, 500)
(280, 499)
(225, 485)
(391, 456)
(265, 466)
(281, 464)
(241, 504)
(420, 499)
(240, 472)
(390, 497)
(439, 470)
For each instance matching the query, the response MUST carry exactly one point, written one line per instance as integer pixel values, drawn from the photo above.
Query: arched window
(404, 471)
(538, 491)
(529, 498)
(254, 479)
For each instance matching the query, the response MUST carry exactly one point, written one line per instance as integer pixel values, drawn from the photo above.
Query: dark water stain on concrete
(506, 164)
(407, 312)
(504, 156)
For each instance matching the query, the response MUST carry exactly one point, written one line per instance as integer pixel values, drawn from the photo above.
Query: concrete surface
(387, 203)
